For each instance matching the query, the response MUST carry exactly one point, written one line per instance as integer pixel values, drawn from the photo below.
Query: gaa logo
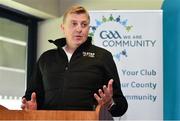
(108, 34)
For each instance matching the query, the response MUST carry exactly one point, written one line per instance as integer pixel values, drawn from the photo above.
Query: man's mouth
(78, 36)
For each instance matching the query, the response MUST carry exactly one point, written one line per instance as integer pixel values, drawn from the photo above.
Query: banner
(135, 40)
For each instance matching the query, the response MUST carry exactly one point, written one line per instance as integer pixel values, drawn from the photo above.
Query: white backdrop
(135, 40)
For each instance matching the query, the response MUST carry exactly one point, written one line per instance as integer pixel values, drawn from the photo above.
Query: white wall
(49, 29)
(112, 4)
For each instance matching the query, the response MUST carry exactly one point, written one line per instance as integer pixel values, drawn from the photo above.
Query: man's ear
(62, 27)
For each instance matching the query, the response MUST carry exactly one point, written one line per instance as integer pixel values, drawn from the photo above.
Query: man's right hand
(29, 105)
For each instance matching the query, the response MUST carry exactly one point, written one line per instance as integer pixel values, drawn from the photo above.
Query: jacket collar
(62, 42)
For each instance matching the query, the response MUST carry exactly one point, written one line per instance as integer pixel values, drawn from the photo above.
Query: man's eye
(74, 24)
(84, 24)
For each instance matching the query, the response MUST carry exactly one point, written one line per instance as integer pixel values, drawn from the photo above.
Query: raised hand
(105, 97)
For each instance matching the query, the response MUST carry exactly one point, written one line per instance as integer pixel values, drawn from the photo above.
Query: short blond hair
(76, 9)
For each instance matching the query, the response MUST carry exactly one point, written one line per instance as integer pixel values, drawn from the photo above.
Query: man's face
(76, 29)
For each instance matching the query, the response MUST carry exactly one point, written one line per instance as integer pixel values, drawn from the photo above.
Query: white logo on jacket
(88, 54)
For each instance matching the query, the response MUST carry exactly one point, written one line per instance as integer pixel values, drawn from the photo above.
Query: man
(77, 75)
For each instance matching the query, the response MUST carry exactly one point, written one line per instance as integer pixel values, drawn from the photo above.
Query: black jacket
(60, 84)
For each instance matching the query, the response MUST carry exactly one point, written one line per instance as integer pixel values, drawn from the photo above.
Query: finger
(105, 90)
(24, 100)
(33, 97)
(101, 94)
(110, 85)
(97, 98)
(23, 105)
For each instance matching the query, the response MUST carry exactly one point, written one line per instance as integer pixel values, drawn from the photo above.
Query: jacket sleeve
(35, 84)
(121, 105)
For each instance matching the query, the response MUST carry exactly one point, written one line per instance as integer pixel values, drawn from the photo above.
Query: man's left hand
(105, 97)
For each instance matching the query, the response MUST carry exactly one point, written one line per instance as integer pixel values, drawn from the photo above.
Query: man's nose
(79, 28)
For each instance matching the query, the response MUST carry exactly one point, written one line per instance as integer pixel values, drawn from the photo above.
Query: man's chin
(79, 42)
